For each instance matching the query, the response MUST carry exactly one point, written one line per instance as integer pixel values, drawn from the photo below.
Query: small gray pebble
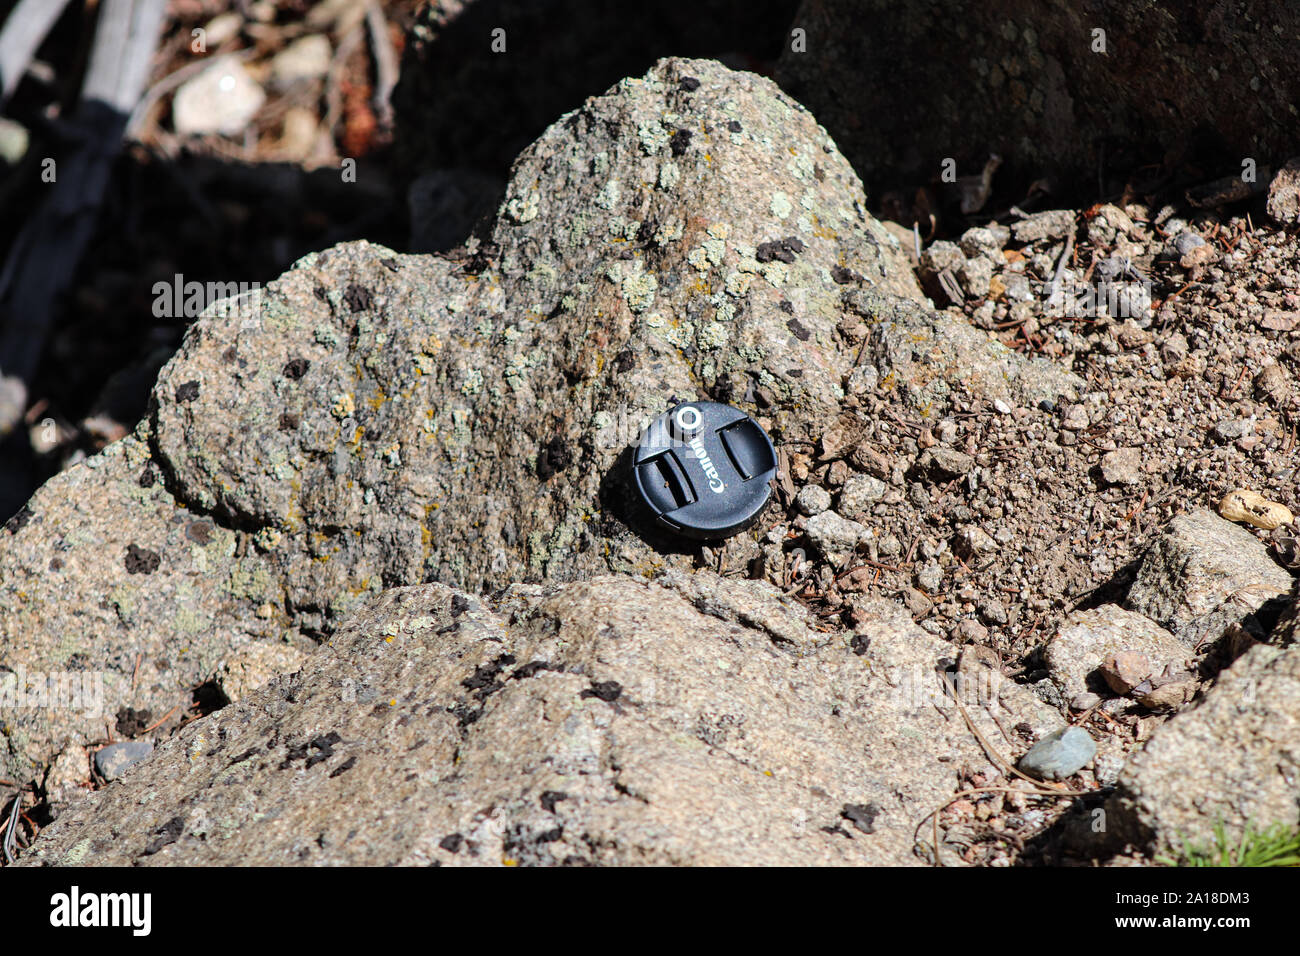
(115, 759)
(1231, 428)
(1185, 242)
(1059, 755)
(992, 611)
(859, 493)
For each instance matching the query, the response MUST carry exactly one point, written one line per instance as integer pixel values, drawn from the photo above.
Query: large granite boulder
(371, 420)
(693, 720)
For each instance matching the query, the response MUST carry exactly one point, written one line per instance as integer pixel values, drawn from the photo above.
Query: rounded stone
(1059, 755)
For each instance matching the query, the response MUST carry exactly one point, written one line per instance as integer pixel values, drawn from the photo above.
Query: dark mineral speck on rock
(140, 560)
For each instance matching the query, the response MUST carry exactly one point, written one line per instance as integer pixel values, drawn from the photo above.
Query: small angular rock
(833, 535)
(1203, 574)
(1122, 467)
(812, 499)
(859, 493)
(1124, 670)
(940, 464)
(115, 759)
(1284, 193)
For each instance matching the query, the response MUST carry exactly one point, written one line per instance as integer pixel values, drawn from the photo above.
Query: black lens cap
(703, 469)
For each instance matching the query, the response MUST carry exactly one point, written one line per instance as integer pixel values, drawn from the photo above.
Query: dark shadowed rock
(1026, 79)
(462, 103)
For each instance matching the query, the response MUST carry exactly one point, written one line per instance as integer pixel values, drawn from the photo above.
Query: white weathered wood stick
(386, 65)
(43, 260)
(24, 31)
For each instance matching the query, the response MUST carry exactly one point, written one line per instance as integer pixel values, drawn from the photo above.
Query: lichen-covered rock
(1231, 758)
(392, 418)
(1203, 574)
(114, 594)
(370, 420)
(690, 721)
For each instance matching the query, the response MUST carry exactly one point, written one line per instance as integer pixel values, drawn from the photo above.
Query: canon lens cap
(703, 469)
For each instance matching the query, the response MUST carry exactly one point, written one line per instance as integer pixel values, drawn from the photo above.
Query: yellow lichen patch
(344, 405)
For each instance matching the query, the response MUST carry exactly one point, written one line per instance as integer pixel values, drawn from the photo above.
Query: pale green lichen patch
(472, 383)
(737, 283)
(670, 231)
(715, 249)
(669, 175)
(343, 405)
(801, 167)
(681, 335)
(460, 429)
(652, 137)
(522, 209)
(609, 195)
(775, 272)
(77, 855)
(623, 229)
(715, 335)
(187, 620)
(639, 290)
(516, 371)
(252, 581)
(781, 206)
